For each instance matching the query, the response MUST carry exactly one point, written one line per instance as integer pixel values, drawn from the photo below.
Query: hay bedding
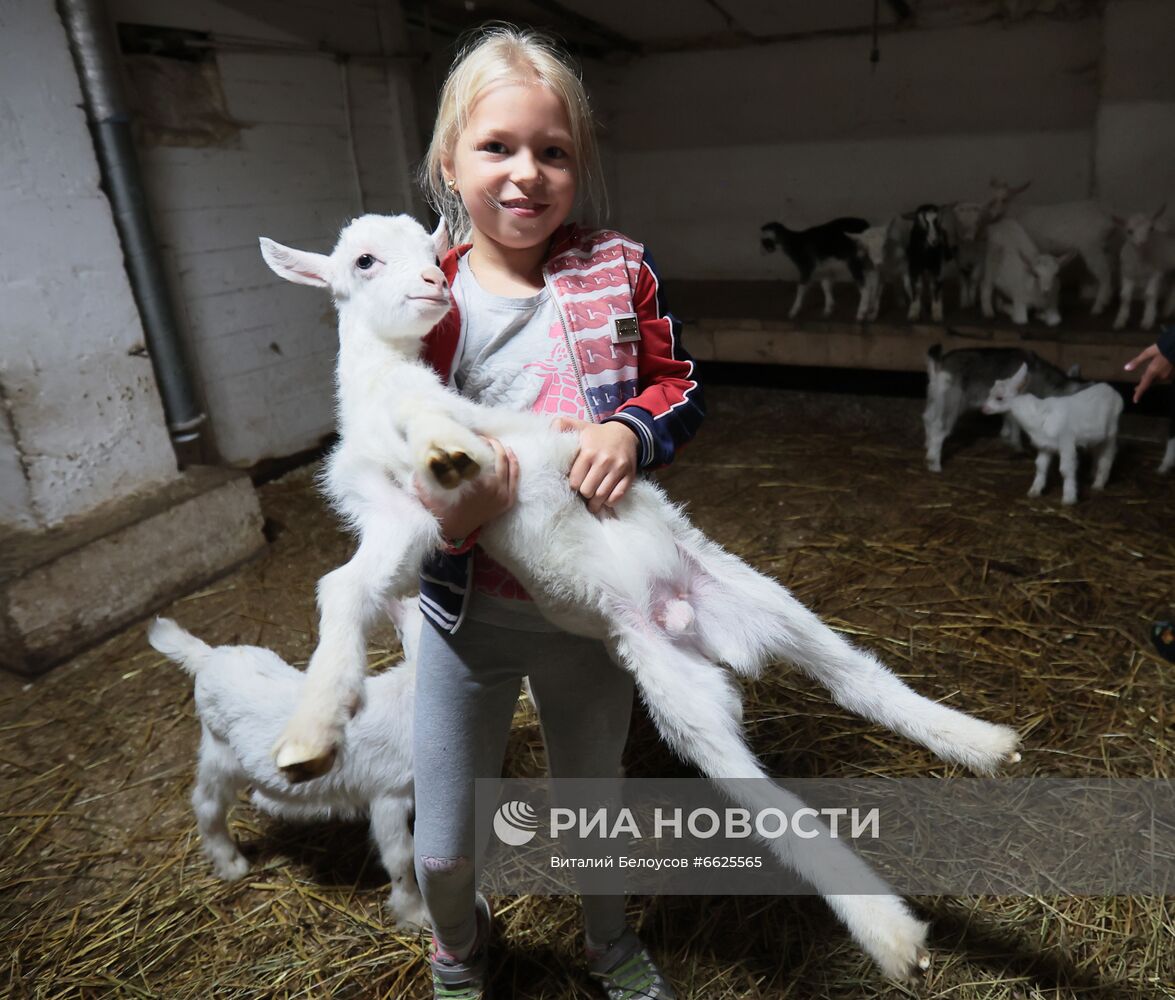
(1016, 609)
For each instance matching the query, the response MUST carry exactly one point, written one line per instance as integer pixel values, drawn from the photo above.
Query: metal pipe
(95, 55)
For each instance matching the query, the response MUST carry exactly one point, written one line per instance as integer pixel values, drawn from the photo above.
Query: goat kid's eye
(364, 262)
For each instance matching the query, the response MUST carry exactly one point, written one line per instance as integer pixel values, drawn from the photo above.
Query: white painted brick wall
(264, 350)
(83, 424)
(1081, 108)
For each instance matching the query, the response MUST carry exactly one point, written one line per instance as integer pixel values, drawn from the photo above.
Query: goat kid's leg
(866, 288)
(1068, 463)
(1010, 433)
(697, 712)
(987, 298)
(390, 829)
(1168, 462)
(1125, 297)
(1151, 299)
(936, 297)
(218, 778)
(387, 560)
(801, 290)
(915, 310)
(746, 620)
(445, 451)
(942, 412)
(1105, 462)
(1100, 267)
(1018, 310)
(826, 287)
(859, 682)
(1043, 460)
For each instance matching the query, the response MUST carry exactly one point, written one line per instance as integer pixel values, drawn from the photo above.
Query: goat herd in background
(1008, 254)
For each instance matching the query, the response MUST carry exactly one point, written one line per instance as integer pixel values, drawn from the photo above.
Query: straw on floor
(1018, 610)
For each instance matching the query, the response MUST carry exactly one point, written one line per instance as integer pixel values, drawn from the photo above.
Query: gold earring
(451, 184)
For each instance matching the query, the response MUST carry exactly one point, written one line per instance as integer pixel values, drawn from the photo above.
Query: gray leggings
(466, 688)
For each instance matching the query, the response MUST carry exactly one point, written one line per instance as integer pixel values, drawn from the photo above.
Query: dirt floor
(1020, 610)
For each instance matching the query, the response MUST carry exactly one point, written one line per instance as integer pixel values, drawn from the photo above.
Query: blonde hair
(496, 55)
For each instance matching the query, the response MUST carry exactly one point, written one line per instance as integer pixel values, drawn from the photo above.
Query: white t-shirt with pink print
(512, 353)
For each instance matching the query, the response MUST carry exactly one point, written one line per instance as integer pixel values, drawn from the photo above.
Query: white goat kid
(1146, 258)
(1015, 267)
(970, 228)
(1060, 425)
(244, 696)
(670, 605)
(884, 252)
(1066, 228)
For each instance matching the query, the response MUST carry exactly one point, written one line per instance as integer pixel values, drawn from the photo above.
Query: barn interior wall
(323, 136)
(82, 421)
(706, 146)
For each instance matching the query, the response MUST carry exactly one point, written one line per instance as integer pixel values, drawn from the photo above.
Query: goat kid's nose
(434, 277)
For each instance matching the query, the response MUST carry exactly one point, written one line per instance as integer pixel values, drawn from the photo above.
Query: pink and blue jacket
(623, 361)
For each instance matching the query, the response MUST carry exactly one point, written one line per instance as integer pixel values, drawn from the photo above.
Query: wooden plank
(900, 346)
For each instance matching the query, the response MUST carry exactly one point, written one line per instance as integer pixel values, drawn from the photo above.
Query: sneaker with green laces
(463, 979)
(626, 971)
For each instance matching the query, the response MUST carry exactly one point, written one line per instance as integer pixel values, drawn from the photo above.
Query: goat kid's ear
(1067, 256)
(1019, 380)
(1161, 209)
(440, 239)
(299, 266)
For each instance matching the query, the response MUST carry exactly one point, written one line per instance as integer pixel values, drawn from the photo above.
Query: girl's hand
(490, 494)
(1158, 369)
(605, 465)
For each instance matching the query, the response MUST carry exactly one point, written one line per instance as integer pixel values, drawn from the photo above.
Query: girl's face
(514, 165)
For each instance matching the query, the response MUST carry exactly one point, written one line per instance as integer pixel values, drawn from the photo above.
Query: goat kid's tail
(178, 645)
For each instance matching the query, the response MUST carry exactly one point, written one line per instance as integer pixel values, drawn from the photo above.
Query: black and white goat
(819, 253)
(927, 252)
(960, 381)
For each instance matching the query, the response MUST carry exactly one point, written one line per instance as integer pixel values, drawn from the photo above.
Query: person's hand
(490, 494)
(605, 465)
(1158, 369)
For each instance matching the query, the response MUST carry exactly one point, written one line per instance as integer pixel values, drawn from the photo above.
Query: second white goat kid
(245, 695)
(671, 606)
(1060, 425)
(1069, 228)
(1146, 258)
(1015, 268)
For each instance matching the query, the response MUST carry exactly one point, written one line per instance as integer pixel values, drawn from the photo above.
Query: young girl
(560, 320)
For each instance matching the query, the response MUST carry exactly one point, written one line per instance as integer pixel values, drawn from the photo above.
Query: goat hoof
(297, 767)
(923, 960)
(452, 468)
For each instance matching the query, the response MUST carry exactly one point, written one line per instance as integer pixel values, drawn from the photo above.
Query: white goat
(1065, 228)
(670, 605)
(1060, 425)
(884, 252)
(244, 696)
(1017, 269)
(970, 230)
(1146, 258)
